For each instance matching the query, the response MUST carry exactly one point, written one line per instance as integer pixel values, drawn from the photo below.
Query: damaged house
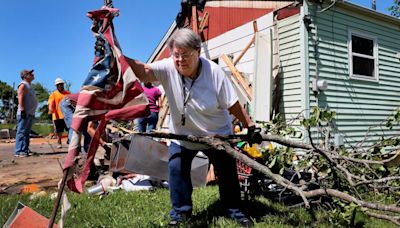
(289, 56)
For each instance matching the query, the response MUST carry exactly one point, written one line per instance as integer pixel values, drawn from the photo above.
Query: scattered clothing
(141, 182)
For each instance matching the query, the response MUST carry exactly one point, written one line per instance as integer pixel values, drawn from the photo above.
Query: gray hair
(184, 38)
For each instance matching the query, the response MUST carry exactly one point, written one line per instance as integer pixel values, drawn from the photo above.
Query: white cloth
(138, 183)
(210, 97)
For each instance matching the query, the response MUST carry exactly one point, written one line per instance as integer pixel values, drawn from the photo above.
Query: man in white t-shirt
(201, 99)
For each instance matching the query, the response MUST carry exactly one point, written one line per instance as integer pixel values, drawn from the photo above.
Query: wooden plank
(243, 83)
(203, 22)
(244, 50)
(164, 110)
(195, 24)
(255, 26)
(253, 39)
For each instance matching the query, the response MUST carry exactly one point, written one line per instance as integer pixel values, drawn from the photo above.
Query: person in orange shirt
(55, 110)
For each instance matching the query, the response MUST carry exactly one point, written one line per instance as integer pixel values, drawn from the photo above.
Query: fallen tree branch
(225, 146)
(263, 169)
(222, 143)
(346, 197)
(349, 176)
(381, 180)
(390, 218)
(382, 162)
(301, 145)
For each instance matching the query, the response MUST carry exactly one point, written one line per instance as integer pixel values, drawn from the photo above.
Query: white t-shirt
(210, 96)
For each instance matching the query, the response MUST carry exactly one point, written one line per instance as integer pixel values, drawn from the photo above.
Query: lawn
(150, 209)
(43, 129)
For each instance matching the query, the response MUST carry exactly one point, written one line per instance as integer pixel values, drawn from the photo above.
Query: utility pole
(12, 102)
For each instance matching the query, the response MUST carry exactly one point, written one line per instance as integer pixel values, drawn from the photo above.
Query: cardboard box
(143, 155)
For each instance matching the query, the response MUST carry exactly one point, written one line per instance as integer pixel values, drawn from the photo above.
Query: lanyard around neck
(186, 96)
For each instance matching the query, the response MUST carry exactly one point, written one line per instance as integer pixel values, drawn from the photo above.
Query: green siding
(359, 104)
(290, 68)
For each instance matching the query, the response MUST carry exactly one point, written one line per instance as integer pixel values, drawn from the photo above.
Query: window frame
(375, 76)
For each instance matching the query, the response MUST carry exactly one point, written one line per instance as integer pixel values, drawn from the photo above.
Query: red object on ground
(27, 217)
(243, 170)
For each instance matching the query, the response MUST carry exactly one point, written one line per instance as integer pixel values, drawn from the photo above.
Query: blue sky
(54, 38)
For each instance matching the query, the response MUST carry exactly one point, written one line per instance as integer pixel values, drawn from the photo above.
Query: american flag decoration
(110, 91)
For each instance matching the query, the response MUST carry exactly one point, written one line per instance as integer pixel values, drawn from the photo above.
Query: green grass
(150, 209)
(41, 129)
(7, 126)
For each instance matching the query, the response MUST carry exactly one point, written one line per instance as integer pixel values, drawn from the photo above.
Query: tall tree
(68, 85)
(42, 95)
(395, 8)
(8, 99)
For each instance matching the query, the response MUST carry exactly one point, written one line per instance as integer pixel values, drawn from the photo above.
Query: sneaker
(174, 222)
(177, 221)
(240, 218)
(22, 155)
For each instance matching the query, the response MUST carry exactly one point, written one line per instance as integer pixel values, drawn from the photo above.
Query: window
(363, 57)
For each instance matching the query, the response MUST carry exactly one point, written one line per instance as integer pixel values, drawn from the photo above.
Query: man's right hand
(23, 114)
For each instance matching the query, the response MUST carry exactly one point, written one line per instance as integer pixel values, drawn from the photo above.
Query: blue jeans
(147, 124)
(180, 183)
(68, 111)
(24, 126)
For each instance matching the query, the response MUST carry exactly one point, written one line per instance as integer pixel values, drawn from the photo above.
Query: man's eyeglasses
(182, 57)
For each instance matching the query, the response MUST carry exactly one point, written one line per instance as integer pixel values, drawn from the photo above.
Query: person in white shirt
(201, 99)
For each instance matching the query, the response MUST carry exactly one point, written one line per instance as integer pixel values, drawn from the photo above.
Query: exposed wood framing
(252, 41)
(238, 76)
(203, 22)
(164, 110)
(195, 22)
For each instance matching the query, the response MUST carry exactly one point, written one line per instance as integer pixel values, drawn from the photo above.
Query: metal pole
(57, 203)
(12, 103)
